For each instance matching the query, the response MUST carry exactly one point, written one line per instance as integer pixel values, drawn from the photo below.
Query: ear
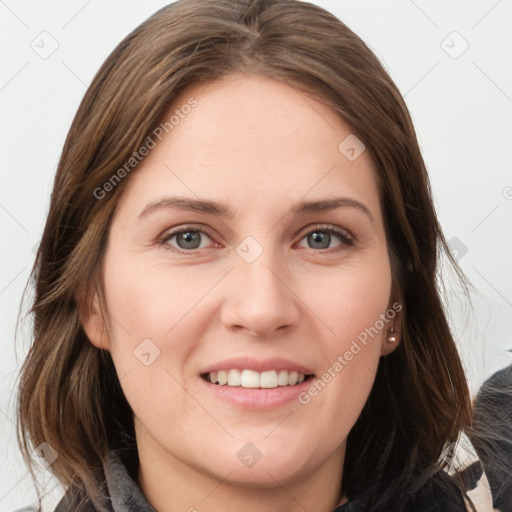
(392, 332)
(92, 320)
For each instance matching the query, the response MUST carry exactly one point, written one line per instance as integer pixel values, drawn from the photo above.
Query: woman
(236, 301)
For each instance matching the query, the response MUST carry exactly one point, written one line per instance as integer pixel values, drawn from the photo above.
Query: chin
(262, 463)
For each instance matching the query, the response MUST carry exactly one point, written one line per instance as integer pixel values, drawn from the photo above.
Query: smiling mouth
(254, 379)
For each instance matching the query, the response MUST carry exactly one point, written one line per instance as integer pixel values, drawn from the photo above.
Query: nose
(260, 300)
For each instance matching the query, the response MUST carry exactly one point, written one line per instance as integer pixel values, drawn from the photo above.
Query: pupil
(187, 238)
(317, 239)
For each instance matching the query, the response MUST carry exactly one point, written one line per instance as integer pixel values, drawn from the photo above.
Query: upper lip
(259, 365)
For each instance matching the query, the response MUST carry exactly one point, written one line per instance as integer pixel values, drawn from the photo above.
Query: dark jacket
(126, 496)
(492, 437)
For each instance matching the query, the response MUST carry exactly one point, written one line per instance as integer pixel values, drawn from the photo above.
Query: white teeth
(268, 379)
(253, 379)
(222, 377)
(234, 378)
(282, 378)
(250, 379)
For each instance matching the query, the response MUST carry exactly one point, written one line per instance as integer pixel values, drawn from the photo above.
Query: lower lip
(257, 398)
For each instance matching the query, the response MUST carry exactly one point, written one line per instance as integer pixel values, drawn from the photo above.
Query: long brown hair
(69, 394)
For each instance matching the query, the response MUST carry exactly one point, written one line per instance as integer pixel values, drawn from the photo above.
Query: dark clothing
(492, 436)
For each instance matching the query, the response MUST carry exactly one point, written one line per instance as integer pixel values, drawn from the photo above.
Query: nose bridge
(259, 300)
(258, 270)
(262, 276)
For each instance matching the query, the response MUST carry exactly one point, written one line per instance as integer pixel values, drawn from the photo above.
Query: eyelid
(329, 228)
(170, 233)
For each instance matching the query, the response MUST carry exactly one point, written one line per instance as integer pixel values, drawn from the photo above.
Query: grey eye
(187, 239)
(319, 239)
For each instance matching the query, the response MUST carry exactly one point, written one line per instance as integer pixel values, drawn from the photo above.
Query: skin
(249, 139)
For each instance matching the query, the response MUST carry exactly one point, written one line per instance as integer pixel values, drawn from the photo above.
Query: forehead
(255, 141)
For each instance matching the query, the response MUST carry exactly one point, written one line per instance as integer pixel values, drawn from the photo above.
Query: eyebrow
(213, 208)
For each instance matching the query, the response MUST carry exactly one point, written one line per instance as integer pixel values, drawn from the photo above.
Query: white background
(462, 109)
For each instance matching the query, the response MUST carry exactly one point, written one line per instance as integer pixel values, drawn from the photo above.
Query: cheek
(355, 308)
(352, 303)
(150, 336)
(157, 319)
(150, 302)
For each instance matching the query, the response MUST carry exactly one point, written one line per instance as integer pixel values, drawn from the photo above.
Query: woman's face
(252, 275)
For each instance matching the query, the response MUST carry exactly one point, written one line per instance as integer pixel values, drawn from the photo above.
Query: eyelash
(346, 239)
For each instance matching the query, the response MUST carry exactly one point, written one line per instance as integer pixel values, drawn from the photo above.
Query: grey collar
(125, 494)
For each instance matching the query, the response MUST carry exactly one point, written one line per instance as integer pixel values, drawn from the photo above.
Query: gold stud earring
(391, 336)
